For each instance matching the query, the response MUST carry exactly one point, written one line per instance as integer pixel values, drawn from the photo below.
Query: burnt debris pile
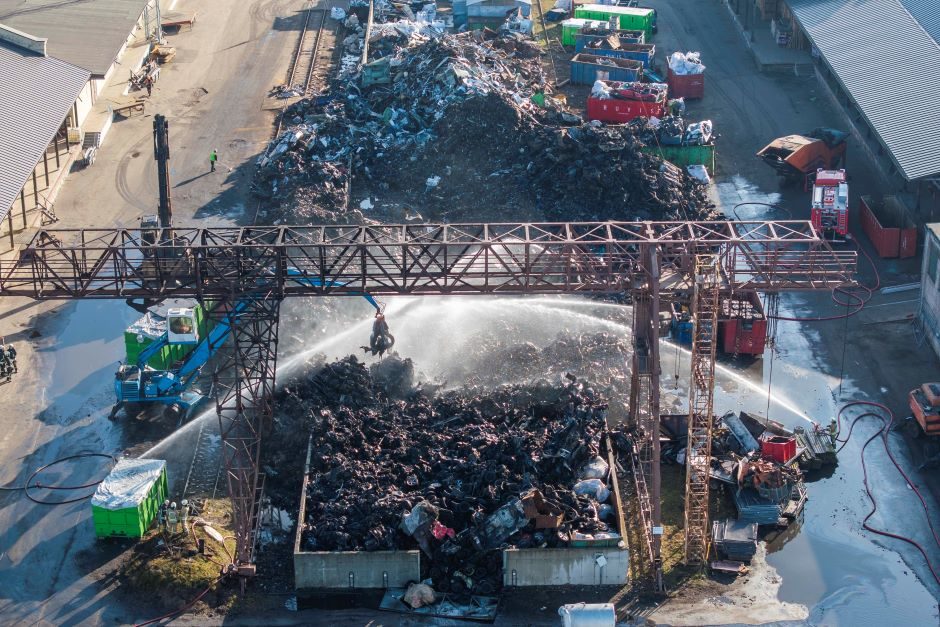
(459, 474)
(462, 127)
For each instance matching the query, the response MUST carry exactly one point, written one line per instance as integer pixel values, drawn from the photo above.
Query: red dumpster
(685, 85)
(623, 101)
(622, 111)
(777, 447)
(742, 325)
(888, 226)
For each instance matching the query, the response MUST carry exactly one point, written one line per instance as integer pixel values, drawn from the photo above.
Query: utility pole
(161, 152)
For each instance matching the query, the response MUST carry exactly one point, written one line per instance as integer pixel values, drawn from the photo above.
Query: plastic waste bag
(594, 488)
(596, 468)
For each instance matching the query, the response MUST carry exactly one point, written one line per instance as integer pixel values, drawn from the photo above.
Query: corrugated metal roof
(927, 12)
(889, 65)
(88, 34)
(35, 96)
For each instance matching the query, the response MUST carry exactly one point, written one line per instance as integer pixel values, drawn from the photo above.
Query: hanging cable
(853, 297)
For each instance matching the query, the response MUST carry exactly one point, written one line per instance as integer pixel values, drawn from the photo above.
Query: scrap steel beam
(425, 259)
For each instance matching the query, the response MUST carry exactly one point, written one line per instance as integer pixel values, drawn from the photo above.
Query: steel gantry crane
(259, 267)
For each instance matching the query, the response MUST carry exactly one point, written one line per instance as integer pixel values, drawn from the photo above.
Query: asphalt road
(214, 96)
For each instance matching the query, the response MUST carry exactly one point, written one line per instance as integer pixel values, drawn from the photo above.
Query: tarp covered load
(128, 484)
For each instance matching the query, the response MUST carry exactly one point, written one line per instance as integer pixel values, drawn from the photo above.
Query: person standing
(11, 355)
(149, 84)
(213, 157)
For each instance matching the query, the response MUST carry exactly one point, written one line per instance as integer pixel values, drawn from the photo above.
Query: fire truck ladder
(705, 303)
(260, 266)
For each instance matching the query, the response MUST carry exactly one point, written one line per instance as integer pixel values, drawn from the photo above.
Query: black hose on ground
(887, 422)
(38, 486)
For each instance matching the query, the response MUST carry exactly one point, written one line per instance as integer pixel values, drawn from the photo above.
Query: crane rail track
(305, 59)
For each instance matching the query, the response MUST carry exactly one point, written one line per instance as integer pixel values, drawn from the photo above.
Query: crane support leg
(705, 303)
(644, 409)
(244, 384)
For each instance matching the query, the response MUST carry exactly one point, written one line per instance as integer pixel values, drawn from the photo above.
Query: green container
(686, 155)
(377, 73)
(571, 27)
(152, 326)
(127, 501)
(629, 18)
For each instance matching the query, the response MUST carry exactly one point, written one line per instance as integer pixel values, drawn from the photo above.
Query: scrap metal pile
(464, 127)
(459, 474)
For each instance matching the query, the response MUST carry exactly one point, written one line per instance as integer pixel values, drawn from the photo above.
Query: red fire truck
(830, 214)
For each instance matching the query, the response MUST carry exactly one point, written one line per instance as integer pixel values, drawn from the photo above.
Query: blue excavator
(136, 384)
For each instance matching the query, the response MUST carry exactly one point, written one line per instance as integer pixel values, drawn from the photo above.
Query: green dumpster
(126, 502)
(686, 155)
(571, 27)
(628, 18)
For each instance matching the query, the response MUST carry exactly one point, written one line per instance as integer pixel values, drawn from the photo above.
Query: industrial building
(930, 287)
(878, 59)
(58, 59)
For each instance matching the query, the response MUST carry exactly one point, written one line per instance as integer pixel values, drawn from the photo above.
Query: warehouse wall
(356, 569)
(565, 567)
(930, 288)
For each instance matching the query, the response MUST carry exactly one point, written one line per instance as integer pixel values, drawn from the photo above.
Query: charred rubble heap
(461, 127)
(459, 475)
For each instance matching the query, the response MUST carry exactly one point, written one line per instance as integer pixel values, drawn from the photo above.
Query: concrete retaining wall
(356, 569)
(565, 567)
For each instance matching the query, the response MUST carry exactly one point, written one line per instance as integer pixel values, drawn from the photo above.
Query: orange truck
(798, 157)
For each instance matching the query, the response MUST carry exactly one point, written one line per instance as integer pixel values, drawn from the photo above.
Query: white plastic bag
(594, 488)
(596, 468)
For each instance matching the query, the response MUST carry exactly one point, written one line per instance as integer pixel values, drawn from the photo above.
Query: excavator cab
(182, 327)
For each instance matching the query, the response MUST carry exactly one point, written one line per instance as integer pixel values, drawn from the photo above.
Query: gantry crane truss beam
(263, 265)
(600, 257)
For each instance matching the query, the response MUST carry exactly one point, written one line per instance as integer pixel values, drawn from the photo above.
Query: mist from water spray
(439, 334)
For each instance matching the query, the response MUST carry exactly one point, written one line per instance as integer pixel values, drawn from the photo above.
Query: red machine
(830, 213)
(925, 405)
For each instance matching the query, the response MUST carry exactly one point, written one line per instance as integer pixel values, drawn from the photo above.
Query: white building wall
(930, 287)
(85, 102)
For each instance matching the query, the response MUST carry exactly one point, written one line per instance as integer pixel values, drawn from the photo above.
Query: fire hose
(849, 298)
(29, 485)
(887, 422)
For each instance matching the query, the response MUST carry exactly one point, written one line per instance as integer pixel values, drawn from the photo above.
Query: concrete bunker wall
(572, 566)
(319, 570)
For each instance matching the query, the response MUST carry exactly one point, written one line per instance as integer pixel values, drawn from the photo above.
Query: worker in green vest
(213, 157)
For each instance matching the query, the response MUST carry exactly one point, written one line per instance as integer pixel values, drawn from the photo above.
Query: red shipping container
(742, 326)
(888, 226)
(778, 448)
(685, 85)
(616, 111)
